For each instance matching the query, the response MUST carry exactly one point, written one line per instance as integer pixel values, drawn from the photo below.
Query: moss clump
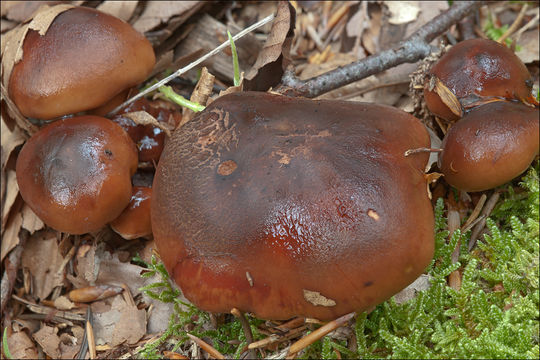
(493, 315)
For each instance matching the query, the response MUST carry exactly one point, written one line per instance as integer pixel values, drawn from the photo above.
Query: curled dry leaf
(63, 303)
(447, 96)
(274, 56)
(402, 12)
(21, 346)
(200, 94)
(30, 221)
(159, 12)
(9, 195)
(144, 118)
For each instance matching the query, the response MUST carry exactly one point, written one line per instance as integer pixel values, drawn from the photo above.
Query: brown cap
(284, 206)
(134, 222)
(85, 58)
(76, 173)
(490, 146)
(477, 69)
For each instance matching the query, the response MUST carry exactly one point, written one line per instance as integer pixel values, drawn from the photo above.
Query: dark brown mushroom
(475, 70)
(490, 146)
(134, 222)
(85, 58)
(75, 173)
(284, 206)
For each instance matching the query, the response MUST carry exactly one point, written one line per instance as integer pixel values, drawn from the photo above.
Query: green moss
(493, 315)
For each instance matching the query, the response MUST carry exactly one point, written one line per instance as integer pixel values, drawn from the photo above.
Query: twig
(514, 25)
(466, 28)
(372, 88)
(206, 347)
(192, 65)
(319, 333)
(475, 212)
(528, 25)
(488, 208)
(454, 279)
(411, 50)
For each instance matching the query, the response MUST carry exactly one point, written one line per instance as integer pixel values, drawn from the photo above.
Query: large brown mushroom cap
(85, 58)
(282, 206)
(76, 173)
(490, 146)
(479, 68)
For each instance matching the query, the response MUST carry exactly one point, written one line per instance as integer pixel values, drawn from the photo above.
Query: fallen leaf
(42, 258)
(30, 221)
(447, 97)
(529, 49)
(21, 346)
(200, 94)
(370, 37)
(12, 136)
(402, 12)
(93, 293)
(9, 196)
(20, 11)
(63, 303)
(120, 9)
(274, 56)
(159, 12)
(10, 236)
(144, 118)
(121, 323)
(47, 338)
(428, 10)
(423, 282)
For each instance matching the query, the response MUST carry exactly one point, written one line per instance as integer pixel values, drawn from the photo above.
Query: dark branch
(411, 50)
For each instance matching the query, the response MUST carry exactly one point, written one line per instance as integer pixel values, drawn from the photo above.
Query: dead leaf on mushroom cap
(274, 56)
(144, 118)
(447, 96)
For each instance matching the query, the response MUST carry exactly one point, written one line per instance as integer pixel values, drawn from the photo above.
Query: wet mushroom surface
(285, 206)
(490, 146)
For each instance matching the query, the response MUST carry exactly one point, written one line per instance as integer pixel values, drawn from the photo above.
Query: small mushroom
(134, 222)
(490, 146)
(283, 206)
(475, 70)
(85, 58)
(75, 173)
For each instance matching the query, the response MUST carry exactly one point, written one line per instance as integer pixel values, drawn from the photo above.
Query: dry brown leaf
(21, 346)
(93, 293)
(232, 89)
(63, 303)
(370, 37)
(121, 323)
(447, 97)
(10, 195)
(42, 257)
(47, 338)
(274, 56)
(12, 136)
(20, 11)
(423, 282)
(529, 49)
(428, 10)
(200, 94)
(159, 12)
(144, 118)
(30, 221)
(10, 237)
(120, 9)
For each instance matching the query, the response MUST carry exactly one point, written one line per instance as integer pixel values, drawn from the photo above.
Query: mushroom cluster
(285, 206)
(75, 173)
(487, 89)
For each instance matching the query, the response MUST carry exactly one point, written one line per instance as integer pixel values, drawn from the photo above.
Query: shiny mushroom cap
(134, 222)
(475, 69)
(490, 146)
(85, 58)
(75, 173)
(283, 206)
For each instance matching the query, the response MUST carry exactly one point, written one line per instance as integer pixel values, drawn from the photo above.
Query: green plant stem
(236, 66)
(179, 99)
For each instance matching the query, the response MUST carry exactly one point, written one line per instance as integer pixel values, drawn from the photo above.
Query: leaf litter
(127, 319)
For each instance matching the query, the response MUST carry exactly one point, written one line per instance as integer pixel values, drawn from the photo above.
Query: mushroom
(490, 146)
(149, 139)
(285, 206)
(85, 58)
(134, 222)
(75, 173)
(474, 71)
